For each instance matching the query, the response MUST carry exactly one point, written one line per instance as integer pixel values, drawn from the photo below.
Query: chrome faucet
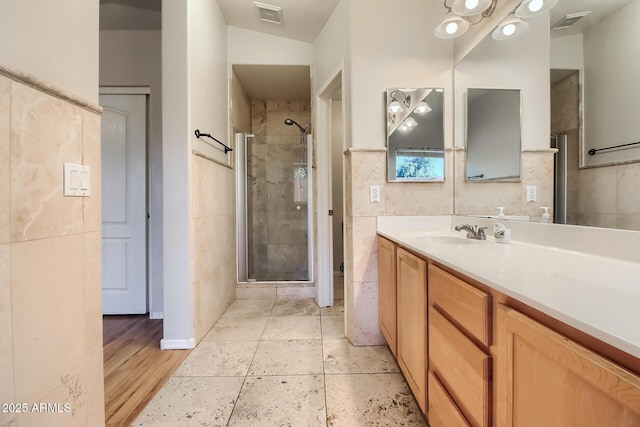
(473, 231)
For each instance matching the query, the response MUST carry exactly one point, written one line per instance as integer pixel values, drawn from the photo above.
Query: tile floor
(283, 362)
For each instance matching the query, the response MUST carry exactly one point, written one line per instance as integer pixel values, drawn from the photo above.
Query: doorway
(124, 211)
(330, 193)
(272, 118)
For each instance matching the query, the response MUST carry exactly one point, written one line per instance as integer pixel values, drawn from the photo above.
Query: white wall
(331, 47)
(401, 52)
(518, 63)
(251, 47)
(55, 40)
(567, 53)
(133, 58)
(176, 134)
(195, 96)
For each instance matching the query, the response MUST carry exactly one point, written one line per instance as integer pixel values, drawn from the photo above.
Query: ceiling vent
(569, 20)
(269, 13)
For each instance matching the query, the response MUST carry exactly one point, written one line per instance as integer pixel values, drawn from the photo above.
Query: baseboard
(177, 344)
(154, 315)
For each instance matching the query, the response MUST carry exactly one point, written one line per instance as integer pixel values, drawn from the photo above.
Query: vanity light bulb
(535, 5)
(508, 29)
(471, 4)
(395, 107)
(451, 27)
(411, 122)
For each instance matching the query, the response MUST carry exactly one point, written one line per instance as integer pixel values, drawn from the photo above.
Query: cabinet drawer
(443, 412)
(468, 306)
(463, 368)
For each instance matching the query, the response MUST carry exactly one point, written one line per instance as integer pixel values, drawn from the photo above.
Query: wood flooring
(134, 366)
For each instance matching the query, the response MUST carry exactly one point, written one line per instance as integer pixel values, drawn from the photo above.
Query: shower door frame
(242, 224)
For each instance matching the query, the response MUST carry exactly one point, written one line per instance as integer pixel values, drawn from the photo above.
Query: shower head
(290, 122)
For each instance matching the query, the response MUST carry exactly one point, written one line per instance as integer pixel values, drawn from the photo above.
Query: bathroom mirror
(603, 196)
(415, 134)
(493, 135)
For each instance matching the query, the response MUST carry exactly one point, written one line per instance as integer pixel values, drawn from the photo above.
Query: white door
(124, 266)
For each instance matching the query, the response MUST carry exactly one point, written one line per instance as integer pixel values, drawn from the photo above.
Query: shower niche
(274, 191)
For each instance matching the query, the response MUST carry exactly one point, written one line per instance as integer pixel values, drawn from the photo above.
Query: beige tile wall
(368, 167)
(482, 198)
(50, 259)
(213, 240)
(364, 168)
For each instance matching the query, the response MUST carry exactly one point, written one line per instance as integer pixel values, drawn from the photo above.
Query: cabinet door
(412, 323)
(387, 292)
(553, 381)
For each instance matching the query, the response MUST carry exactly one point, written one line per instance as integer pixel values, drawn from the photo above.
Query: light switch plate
(532, 193)
(374, 194)
(77, 180)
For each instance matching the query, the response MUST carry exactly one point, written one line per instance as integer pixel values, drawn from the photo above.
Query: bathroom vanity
(543, 330)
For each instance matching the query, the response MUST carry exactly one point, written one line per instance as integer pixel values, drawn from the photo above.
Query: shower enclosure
(273, 198)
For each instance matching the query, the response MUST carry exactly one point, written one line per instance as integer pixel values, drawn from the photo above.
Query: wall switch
(374, 194)
(532, 193)
(77, 180)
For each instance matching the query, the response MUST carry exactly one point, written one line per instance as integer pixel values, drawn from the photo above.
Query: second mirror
(493, 135)
(415, 134)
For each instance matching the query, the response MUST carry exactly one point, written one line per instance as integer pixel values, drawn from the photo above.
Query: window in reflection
(415, 134)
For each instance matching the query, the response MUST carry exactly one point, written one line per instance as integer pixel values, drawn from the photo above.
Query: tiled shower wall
(277, 213)
(50, 256)
(605, 196)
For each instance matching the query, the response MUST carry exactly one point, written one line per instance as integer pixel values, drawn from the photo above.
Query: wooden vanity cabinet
(480, 358)
(550, 380)
(459, 356)
(387, 300)
(412, 322)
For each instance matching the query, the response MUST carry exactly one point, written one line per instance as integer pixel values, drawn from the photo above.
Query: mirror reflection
(493, 135)
(415, 134)
(594, 106)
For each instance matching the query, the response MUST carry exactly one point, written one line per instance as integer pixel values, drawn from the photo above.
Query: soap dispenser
(545, 216)
(501, 228)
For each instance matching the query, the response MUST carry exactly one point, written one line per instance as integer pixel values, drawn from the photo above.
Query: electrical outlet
(374, 194)
(532, 193)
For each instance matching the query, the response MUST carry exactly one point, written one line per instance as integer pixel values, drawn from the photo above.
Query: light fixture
(510, 27)
(452, 26)
(459, 16)
(411, 122)
(394, 105)
(470, 7)
(463, 13)
(529, 8)
(422, 108)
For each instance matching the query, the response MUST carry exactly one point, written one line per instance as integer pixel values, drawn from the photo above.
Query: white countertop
(593, 293)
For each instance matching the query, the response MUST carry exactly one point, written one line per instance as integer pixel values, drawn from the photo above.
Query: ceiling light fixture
(470, 7)
(461, 14)
(529, 8)
(464, 13)
(510, 27)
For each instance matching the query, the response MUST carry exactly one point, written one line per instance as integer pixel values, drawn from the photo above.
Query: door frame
(140, 90)
(326, 93)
